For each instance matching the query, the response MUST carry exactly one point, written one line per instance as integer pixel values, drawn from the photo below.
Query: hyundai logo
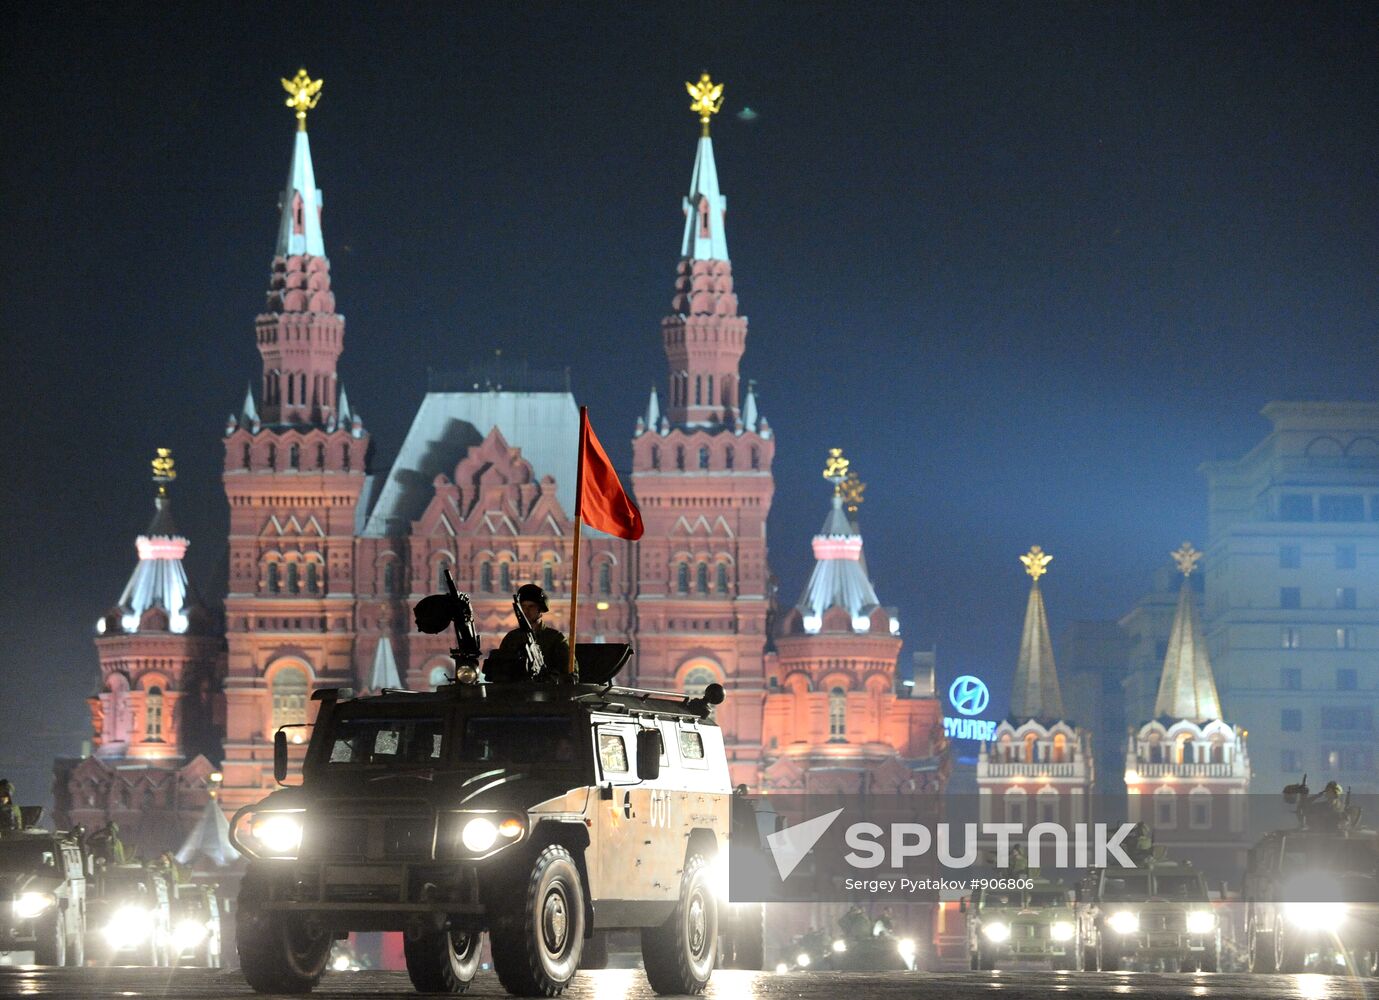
(969, 695)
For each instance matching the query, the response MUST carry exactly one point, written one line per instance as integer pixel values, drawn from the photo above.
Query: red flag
(602, 502)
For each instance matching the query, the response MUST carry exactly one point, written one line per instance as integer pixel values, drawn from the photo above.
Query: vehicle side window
(613, 753)
(691, 745)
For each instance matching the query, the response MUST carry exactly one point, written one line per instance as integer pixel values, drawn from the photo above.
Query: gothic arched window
(390, 577)
(486, 578)
(345, 456)
(547, 577)
(505, 577)
(273, 585)
(294, 457)
(153, 714)
(313, 578)
(680, 457)
(756, 458)
(272, 456)
(704, 457)
(698, 390)
(837, 715)
(320, 456)
(293, 585)
(708, 396)
(682, 578)
(722, 578)
(605, 579)
(248, 456)
(440, 574)
(655, 456)
(701, 578)
(698, 679)
(728, 457)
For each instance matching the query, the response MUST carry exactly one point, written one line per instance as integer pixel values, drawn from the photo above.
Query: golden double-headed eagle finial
(836, 466)
(303, 93)
(1186, 557)
(163, 469)
(851, 490)
(706, 99)
(1036, 562)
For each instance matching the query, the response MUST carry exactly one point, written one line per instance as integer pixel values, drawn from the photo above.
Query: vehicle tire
(277, 953)
(51, 946)
(1088, 958)
(1261, 945)
(595, 952)
(679, 954)
(986, 961)
(1290, 952)
(1187, 963)
(1064, 963)
(443, 960)
(974, 961)
(1211, 959)
(747, 937)
(536, 931)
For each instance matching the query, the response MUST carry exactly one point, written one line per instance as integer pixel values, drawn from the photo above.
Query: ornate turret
(1187, 689)
(1035, 694)
(839, 579)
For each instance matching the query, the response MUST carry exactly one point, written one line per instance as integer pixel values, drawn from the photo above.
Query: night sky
(1028, 264)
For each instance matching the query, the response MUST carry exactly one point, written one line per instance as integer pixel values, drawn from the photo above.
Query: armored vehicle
(536, 811)
(129, 913)
(1034, 922)
(1312, 892)
(1158, 911)
(195, 926)
(43, 896)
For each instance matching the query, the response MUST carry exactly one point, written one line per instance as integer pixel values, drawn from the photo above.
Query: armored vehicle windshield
(1331, 854)
(25, 853)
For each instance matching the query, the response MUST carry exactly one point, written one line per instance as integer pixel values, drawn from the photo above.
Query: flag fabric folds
(602, 502)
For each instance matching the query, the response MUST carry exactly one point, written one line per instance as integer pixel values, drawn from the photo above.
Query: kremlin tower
(294, 470)
(1039, 768)
(701, 472)
(154, 717)
(1187, 771)
(835, 718)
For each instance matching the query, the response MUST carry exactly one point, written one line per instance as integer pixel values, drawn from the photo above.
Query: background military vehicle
(43, 895)
(195, 926)
(129, 915)
(1023, 923)
(538, 812)
(1158, 911)
(1312, 892)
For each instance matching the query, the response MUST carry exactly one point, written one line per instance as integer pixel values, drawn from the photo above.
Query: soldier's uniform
(555, 650)
(11, 818)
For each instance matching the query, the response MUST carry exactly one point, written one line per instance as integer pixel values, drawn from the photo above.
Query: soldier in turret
(1326, 809)
(555, 650)
(11, 818)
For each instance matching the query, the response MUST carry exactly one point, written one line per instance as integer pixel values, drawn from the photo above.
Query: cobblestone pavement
(196, 984)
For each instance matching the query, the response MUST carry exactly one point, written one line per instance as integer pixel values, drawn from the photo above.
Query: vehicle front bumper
(375, 896)
(1031, 939)
(1159, 943)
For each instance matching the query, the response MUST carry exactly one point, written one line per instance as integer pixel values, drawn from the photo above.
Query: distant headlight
(28, 905)
(130, 927)
(188, 934)
(271, 833)
(802, 960)
(1062, 931)
(840, 946)
(906, 947)
(997, 932)
(1325, 917)
(1201, 922)
(1124, 922)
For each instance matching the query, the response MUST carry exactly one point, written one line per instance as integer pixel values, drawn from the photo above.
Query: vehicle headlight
(1201, 922)
(840, 946)
(1062, 930)
(1124, 922)
(482, 834)
(188, 934)
(1325, 917)
(906, 947)
(802, 960)
(28, 905)
(130, 927)
(275, 833)
(997, 932)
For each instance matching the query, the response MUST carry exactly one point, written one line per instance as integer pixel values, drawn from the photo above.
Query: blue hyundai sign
(969, 696)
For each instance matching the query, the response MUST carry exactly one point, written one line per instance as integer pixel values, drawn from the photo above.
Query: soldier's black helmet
(5, 787)
(531, 592)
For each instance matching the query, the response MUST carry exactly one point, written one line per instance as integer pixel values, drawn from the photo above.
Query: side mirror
(648, 754)
(280, 756)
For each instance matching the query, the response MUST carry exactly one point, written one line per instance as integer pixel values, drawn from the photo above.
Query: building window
(1199, 811)
(1345, 598)
(605, 579)
(505, 577)
(1290, 721)
(701, 578)
(547, 577)
(680, 457)
(1166, 810)
(440, 574)
(313, 580)
(698, 679)
(722, 581)
(655, 456)
(389, 577)
(837, 715)
(1048, 808)
(345, 457)
(248, 460)
(293, 583)
(1295, 507)
(1348, 718)
(1290, 760)
(486, 578)
(1345, 638)
(1292, 637)
(153, 715)
(728, 457)
(294, 457)
(1292, 679)
(1289, 556)
(1015, 807)
(1343, 507)
(756, 458)
(1289, 597)
(1345, 557)
(703, 458)
(320, 456)
(273, 585)
(1346, 679)
(272, 456)
(289, 697)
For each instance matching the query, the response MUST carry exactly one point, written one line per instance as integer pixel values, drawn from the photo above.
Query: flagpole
(579, 514)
